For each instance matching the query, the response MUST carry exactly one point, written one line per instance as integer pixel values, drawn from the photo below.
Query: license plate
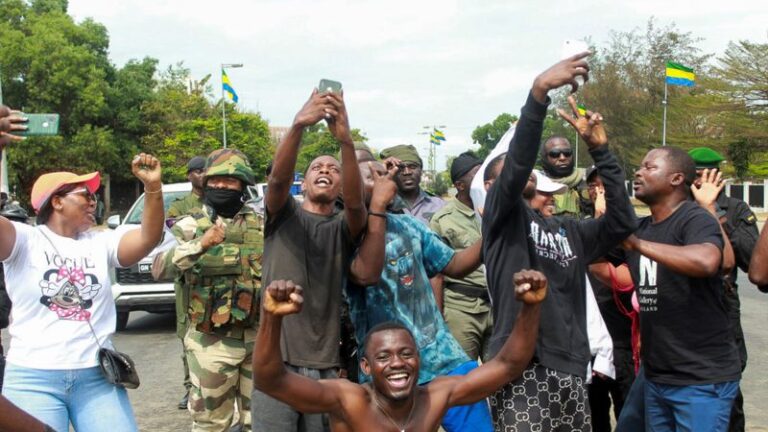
(145, 268)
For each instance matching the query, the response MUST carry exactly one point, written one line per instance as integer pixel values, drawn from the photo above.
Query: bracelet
(160, 189)
(373, 213)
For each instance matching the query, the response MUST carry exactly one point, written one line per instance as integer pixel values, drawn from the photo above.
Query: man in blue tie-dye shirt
(390, 276)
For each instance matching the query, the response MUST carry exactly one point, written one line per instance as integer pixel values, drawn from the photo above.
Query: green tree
(489, 134)
(317, 141)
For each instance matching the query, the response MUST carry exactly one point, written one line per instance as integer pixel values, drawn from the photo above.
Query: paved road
(151, 340)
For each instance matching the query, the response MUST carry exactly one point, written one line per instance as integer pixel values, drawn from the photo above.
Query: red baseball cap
(48, 184)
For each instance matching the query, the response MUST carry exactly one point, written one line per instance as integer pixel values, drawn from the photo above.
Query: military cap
(705, 157)
(404, 152)
(229, 162)
(196, 163)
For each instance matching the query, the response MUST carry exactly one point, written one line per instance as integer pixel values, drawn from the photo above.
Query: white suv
(133, 288)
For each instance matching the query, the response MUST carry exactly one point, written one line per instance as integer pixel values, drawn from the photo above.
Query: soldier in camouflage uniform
(189, 204)
(219, 257)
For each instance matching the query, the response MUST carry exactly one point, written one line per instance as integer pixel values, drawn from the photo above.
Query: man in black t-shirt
(689, 356)
(310, 243)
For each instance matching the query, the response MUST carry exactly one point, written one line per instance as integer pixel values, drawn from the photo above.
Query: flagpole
(664, 123)
(223, 109)
(224, 100)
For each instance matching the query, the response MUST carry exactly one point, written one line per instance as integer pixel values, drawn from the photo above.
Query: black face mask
(553, 171)
(226, 202)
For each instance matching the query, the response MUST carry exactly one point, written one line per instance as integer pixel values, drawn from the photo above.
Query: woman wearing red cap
(57, 275)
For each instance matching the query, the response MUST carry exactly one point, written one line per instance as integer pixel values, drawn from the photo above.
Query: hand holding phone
(329, 86)
(39, 125)
(572, 47)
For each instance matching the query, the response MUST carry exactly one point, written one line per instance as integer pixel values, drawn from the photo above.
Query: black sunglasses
(554, 154)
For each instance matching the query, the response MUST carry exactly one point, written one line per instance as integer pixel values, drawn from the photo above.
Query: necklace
(407, 420)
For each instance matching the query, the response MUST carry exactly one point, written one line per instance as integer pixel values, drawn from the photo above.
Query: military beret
(463, 164)
(705, 157)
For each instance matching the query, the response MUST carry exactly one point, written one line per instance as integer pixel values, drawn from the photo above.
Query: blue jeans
(475, 417)
(632, 417)
(704, 407)
(78, 396)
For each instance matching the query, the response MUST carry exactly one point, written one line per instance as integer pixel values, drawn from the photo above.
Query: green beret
(705, 157)
(404, 152)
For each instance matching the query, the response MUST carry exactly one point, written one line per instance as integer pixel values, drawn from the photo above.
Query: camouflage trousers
(220, 372)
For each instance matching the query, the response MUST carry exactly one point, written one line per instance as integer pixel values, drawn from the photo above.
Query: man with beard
(311, 243)
(413, 200)
(552, 390)
(192, 202)
(393, 400)
(219, 262)
(558, 163)
(676, 259)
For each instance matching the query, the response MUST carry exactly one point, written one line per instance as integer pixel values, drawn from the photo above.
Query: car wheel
(122, 321)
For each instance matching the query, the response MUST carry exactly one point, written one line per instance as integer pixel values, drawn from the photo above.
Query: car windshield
(134, 217)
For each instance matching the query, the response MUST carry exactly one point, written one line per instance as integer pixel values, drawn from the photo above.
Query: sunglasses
(554, 154)
(85, 193)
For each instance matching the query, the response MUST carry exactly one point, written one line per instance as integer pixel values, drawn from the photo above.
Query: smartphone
(327, 85)
(571, 47)
(40, 125)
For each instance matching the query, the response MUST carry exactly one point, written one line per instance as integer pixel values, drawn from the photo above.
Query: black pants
(603, 392)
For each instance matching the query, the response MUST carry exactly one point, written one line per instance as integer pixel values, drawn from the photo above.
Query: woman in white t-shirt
(57, 276)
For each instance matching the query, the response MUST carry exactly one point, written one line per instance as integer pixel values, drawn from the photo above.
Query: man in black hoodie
(551, 394)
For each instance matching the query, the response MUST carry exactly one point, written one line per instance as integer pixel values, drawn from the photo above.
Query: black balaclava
(226, 202)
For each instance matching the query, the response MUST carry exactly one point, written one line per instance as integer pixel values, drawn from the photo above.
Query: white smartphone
(572, 47)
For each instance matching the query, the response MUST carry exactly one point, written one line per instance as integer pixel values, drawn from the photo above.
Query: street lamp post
(224, 100)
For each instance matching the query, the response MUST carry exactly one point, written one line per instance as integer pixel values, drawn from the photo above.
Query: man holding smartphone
(311, 243)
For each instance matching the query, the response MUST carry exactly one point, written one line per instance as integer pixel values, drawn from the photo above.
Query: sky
(404, 65)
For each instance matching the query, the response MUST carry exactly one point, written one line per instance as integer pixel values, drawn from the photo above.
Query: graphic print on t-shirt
(647, 289)
(552, 246)
(67, 289)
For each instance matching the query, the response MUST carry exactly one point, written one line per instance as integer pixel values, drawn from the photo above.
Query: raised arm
(618, 221)
(9, 121)
(515, 355)
(136, 244)
(270, 376)
(706, 196)
(758, 265)
(354, 205)
(315, 109)
(367, 265)
(506, 191)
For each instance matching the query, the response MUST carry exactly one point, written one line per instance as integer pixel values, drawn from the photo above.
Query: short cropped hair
(490, 169)
(680, 161)
(387, 325)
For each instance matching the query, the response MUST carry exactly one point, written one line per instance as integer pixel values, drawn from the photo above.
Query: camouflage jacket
(224, 282)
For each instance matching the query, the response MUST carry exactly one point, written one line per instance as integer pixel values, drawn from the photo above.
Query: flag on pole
(680, 75)
(434, 140)
(438, 134)
(227, 86)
